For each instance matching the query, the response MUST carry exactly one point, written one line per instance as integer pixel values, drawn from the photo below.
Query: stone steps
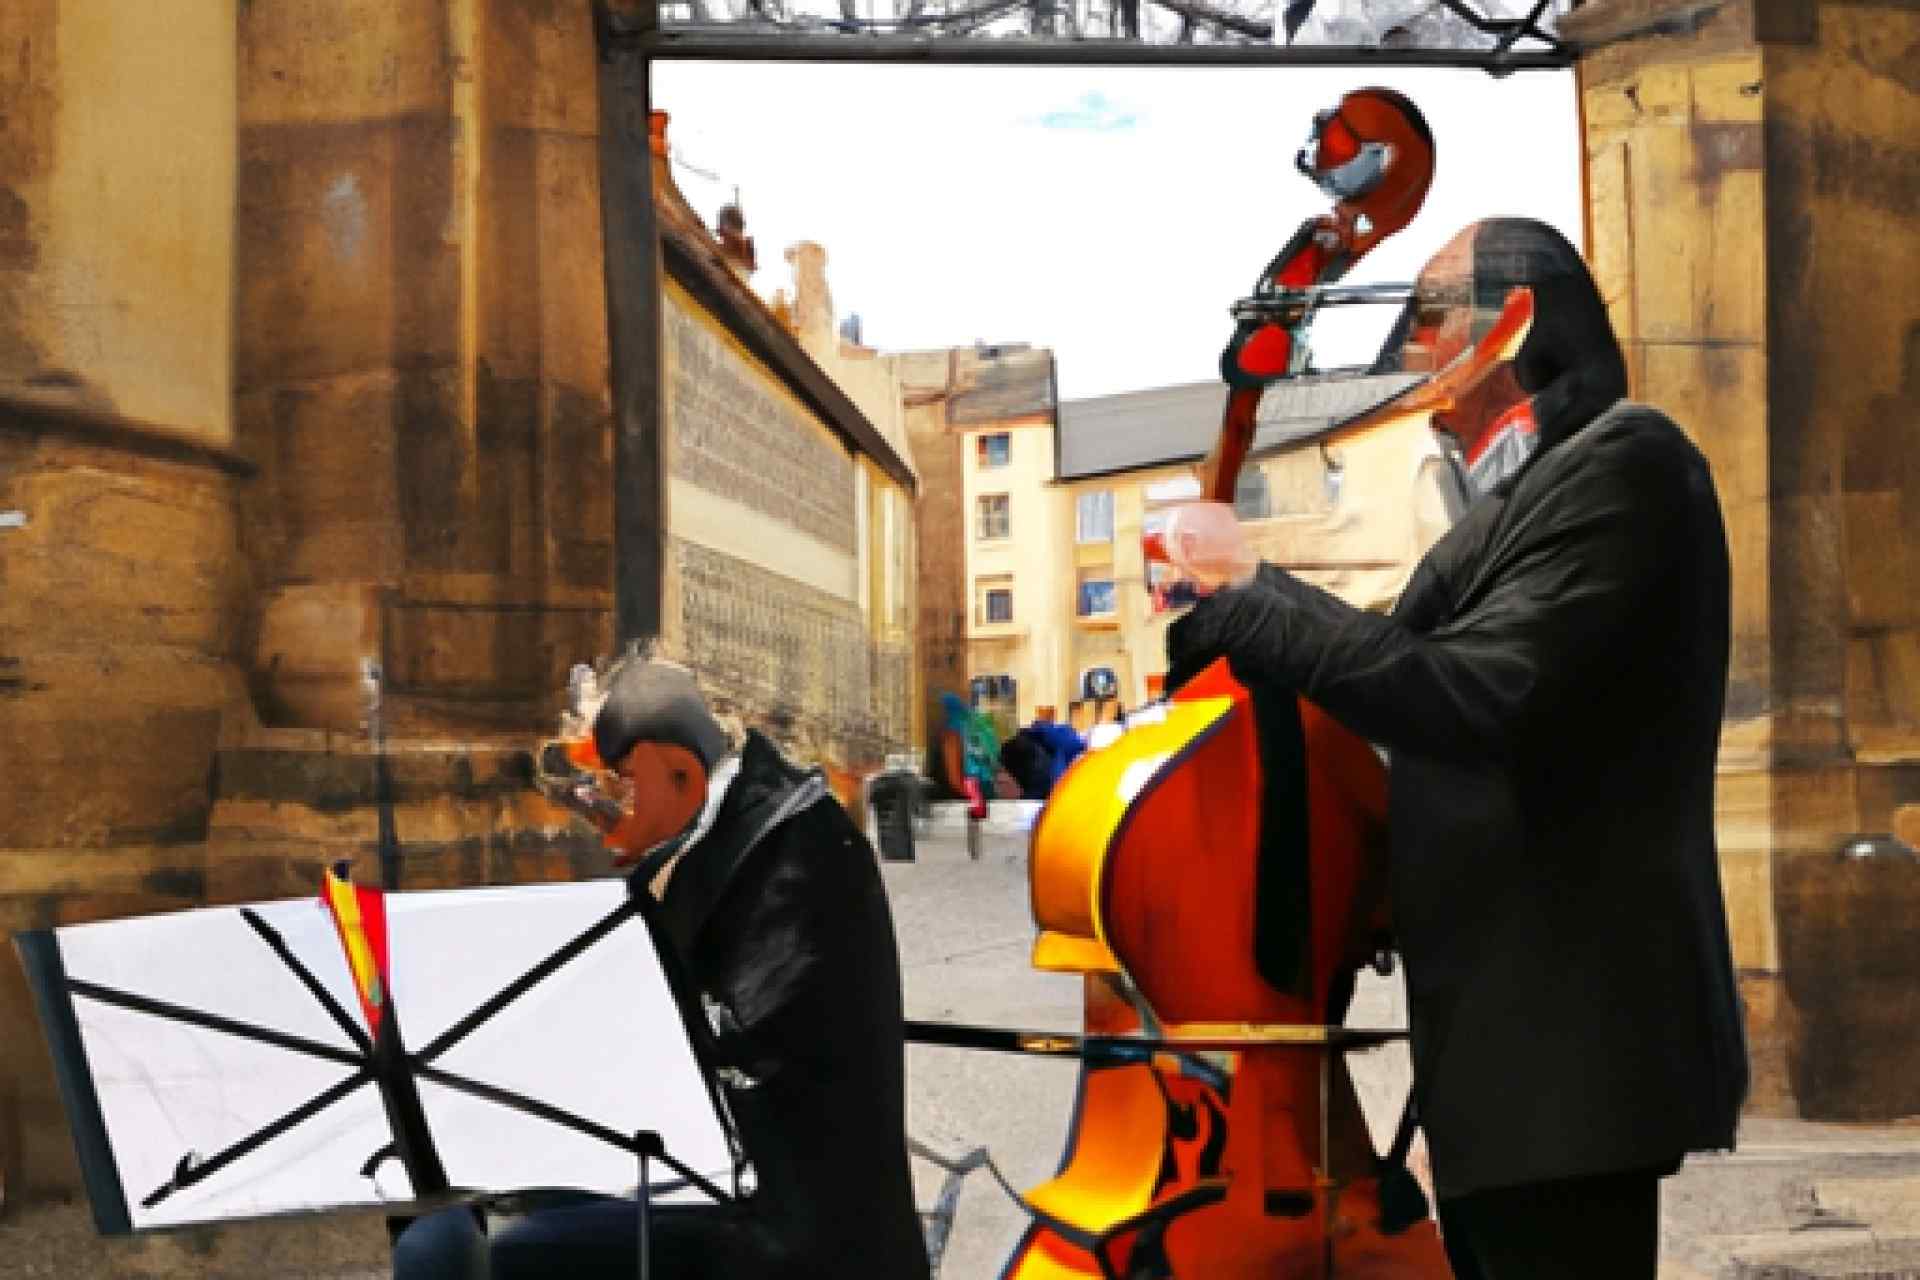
(1824, 1253)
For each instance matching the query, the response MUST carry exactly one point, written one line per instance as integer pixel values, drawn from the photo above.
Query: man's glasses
(570, 775)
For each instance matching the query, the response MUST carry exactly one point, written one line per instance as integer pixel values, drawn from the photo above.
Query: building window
(993, 599)
(995, 517)
(1096, 595)
(1099, 684)
(1251, 499)
(996, 450)
(1336, 472)
(991, 690)
(1094, 516)
(1178, 489)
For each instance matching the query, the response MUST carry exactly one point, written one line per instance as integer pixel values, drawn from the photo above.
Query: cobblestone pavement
(1797, 1201)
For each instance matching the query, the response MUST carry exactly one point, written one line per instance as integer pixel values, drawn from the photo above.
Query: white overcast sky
(1111, 214)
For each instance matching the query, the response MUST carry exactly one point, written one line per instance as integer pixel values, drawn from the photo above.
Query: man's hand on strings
(1207, 547)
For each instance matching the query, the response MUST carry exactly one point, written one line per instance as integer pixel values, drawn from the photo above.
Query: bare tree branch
(1226, 19)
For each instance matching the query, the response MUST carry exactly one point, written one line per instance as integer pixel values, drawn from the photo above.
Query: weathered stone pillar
(119, 569)
(1754, 208)
(353, 355)
(422, 378)
(422, 354)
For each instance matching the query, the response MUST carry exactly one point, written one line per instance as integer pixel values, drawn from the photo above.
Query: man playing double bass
(1549, 689)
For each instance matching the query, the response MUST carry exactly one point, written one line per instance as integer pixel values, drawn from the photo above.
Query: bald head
(1467, 283)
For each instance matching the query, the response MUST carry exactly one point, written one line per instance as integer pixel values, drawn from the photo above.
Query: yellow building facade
(1106, 608)
(987, 588)
(1017, 642)
(1051, 582)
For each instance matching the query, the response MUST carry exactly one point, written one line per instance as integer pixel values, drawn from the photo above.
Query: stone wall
(421, 356)
(116, 190)
(792, 660)
(1843, 226)
(117, 608)
(120, 585)
(940, 565)
(1754, 188)
(736, 433)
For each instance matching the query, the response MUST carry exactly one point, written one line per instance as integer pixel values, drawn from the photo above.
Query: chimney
(736, 246)
(782, 308)
(812, 301)
(657, 144)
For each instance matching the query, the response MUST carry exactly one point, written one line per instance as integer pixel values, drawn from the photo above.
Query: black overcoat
(1550, 689)
(780, 919)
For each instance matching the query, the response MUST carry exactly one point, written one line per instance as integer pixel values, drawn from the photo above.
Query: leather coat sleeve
(804, 955)
(1574, 587)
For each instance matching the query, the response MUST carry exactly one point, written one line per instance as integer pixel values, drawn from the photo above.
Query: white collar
(717, 783)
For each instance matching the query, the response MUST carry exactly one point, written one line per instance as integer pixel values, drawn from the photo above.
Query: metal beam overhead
(725, 42)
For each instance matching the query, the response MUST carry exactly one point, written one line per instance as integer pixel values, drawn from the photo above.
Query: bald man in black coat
(769, 901)
(1549, 689)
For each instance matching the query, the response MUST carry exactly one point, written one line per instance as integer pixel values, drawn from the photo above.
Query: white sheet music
(600, 1038)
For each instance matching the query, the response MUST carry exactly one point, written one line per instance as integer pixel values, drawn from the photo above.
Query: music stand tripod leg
(649, 1146)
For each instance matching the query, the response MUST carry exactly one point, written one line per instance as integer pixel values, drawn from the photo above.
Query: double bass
(1212, 1137)
(1217, 874)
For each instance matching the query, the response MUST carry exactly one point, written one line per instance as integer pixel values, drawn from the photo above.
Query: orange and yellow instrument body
(1246, 1154)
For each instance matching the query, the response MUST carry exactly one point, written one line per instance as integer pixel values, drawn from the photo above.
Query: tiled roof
(1162, 426)
(1015, 384)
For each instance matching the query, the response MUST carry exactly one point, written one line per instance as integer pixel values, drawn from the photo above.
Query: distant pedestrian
(970, 754)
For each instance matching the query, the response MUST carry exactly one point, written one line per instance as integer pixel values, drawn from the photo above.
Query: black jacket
(1550, 688)
(780, 917)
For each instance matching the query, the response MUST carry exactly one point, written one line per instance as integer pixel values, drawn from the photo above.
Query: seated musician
(1550, 689)
(772, 899)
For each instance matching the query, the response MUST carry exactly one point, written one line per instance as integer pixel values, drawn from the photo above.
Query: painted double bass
(1167, 869)
(1217, 873)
